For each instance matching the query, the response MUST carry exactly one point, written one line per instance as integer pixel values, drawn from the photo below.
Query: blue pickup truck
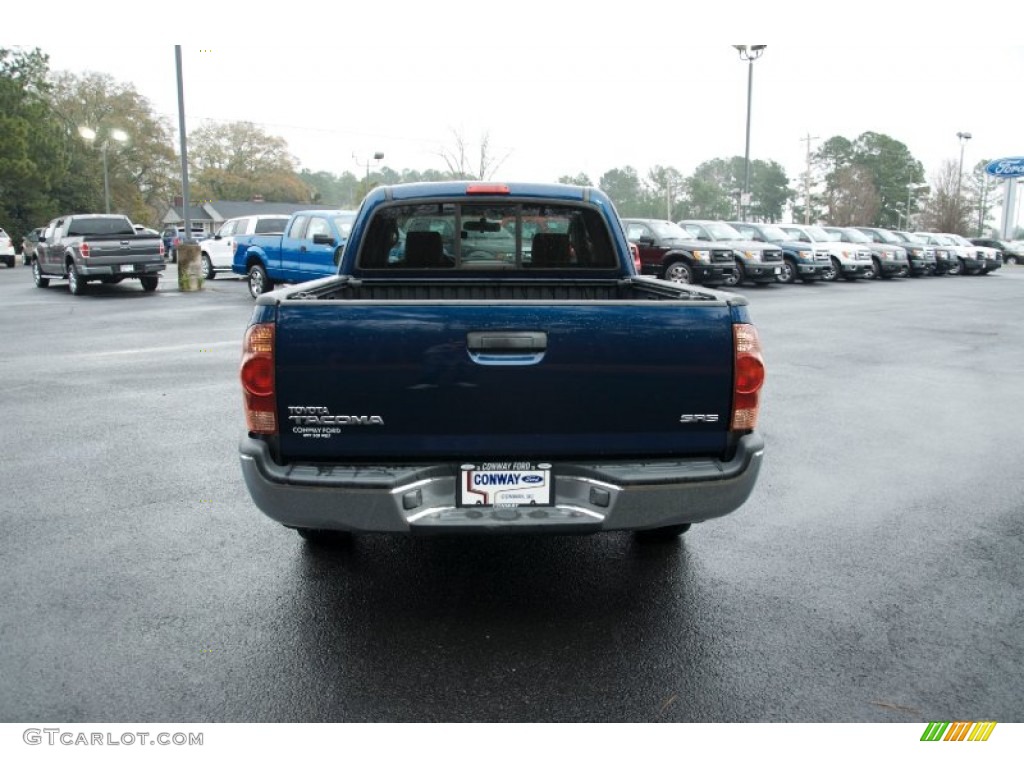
(310, 247)
(536, 385)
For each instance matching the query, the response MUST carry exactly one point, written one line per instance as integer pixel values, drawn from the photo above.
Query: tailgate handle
(516, 342)
(506, 347)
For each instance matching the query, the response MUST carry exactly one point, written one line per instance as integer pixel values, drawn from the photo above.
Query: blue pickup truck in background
(487, 359)
(310, 247)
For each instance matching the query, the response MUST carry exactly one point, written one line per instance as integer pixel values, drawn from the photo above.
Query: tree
(40, 152)
(580, 180)
(236, 161)
(943, 211)
(769, 190)
(458, 158)
(143, 171)
(981, 193)
(712, 191)
(623, 186)
(664, 189)
(852, 198)
(893, 168)
(880, 160)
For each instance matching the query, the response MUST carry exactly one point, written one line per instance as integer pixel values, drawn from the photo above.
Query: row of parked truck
(270, 250)
(733, 253)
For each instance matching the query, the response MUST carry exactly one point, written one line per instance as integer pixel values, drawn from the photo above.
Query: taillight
(161, 248)
(257, 374)
(748, 377)
(84, 250)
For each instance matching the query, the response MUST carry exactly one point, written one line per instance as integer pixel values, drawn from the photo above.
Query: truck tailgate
(462, 380)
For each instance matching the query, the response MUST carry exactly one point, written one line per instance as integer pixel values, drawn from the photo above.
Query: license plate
(778, 270)
(505, 484)
(127, 267)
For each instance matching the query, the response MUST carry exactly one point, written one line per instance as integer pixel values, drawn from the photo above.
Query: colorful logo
(960, 731)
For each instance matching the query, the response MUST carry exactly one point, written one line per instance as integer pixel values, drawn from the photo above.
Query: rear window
(486, 236)
(271, 226)
(100, 226)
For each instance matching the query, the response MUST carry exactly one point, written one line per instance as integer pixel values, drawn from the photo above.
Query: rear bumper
(139, 269)
(590, 497)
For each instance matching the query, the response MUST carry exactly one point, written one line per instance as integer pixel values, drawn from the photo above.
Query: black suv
(668, 252)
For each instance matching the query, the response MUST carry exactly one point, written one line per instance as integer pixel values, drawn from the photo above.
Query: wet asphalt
(875, 574)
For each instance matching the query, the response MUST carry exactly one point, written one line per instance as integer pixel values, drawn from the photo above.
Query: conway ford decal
(1006, 168)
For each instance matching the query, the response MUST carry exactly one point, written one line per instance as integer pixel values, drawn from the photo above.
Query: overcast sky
(561, 91)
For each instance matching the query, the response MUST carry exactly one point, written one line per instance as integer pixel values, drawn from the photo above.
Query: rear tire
(149, 283)
(259, 283)
(666, 533)
(37, 275)
(75, 283)
(320, 537)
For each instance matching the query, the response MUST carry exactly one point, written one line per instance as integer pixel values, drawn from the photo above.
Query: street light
(910, 188)
(117, 135)
(376, 156)
(964, 137)
(748, 53)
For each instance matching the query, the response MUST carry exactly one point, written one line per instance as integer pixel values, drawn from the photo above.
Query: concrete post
(190, 267)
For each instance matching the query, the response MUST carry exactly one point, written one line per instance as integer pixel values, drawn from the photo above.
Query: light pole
(964, 137)
(910, 188)
(117, 135)
(376, 156)
(749, 53)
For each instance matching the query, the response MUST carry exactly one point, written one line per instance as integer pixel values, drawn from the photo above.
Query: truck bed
(549, 290)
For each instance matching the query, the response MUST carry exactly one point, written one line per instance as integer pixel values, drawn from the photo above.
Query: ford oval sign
(1007, 168)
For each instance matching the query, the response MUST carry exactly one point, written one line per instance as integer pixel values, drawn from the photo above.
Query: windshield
(817, 233)
(960, 240)
(855, 236)
(912, 238)
(887, 236)
(722, 231)
(344, 223)
(773, 233)
(669, 230)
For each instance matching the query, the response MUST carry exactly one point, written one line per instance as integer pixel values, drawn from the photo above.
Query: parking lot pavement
(874, 575)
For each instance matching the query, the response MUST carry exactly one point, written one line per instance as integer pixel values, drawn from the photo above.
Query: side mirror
(645, 240)
(323, 240)
(42, 239)
(217, 237)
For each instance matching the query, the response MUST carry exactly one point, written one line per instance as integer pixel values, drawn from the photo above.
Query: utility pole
(807, 178)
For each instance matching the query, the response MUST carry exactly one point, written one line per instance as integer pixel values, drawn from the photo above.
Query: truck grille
(822, 256)
(722, 256)
(769, 255)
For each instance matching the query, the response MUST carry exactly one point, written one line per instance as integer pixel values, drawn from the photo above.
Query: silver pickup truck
(104, 247)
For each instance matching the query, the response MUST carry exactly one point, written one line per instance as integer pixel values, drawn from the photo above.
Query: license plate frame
(127, 267)
(505, 484)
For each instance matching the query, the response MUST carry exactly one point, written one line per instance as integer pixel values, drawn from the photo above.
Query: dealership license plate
(127, 267)
(505, 484)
